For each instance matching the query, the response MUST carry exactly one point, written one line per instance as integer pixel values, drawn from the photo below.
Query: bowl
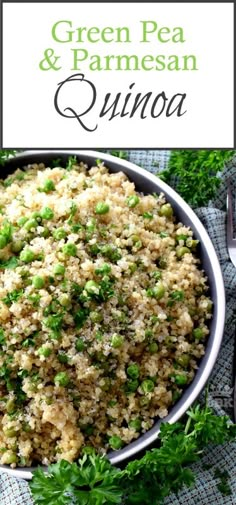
(149, 183)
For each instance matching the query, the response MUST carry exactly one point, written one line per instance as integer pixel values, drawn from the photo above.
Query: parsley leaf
(5, 154)
(148, 480)
(10, 264)
(71, 162)
(13, 296)
(89, 483)
(195, 173)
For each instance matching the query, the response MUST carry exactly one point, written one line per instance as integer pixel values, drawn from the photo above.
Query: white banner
(145, 75)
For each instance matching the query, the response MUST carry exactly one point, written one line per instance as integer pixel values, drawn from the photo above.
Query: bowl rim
(147, 439)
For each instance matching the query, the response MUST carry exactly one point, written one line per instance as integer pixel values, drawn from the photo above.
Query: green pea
(69, 249)
(11, 458)
(183, 360)
(115, 442)
(44, 351)
(153, 347)
(22, 220)
(144, 401)
(47, 213)
(59, 269)
(158, 291)
(30, 224)
(170, 341)
(26, 427)
(17, 246)
(147, 386)
(79, 345)
(103, 269)
(37, 216)
(92, 287)
(209, 306)
(48, 186)
(45, 233)
(3, 241)
(62, 379)
(107, 384)
(117, 341)
(131, 385)
(135, 424)
(181, 380)
(102, 208)
(59, 234)
(62, 357)
(162, 263)
(198, 333)
(166, 210)
(181, 251)
(96, 317)
(191, 243)
(132, 201)
(135, 239)
(133, 371)
(64, 300)
(27, 255)
(10, 406)
(10, 432)
(192, 311)
(38, 282)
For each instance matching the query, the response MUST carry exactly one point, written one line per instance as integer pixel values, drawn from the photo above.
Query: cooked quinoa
(103, 312)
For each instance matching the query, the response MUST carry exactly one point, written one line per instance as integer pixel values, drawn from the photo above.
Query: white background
(29, 116)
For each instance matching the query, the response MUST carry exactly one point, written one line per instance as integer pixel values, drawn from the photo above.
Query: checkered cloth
(16, 492)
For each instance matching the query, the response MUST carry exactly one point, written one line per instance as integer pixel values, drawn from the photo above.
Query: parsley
(10, 264)
(196, 172)
(54, 321)
(6, 231)
(80, 317)
(89, 483)
(223, 484)
(71, 162)
(73, 210)
(13, 296)
(160, 472)
(119, 154)
(2, 337)
(5, 154)
(56, 162)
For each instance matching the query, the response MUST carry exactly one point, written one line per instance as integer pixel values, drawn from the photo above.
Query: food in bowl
(104, 311)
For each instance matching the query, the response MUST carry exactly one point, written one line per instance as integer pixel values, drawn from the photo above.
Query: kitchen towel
(16, 491)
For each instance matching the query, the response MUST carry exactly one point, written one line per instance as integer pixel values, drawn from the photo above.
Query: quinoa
(104, 312)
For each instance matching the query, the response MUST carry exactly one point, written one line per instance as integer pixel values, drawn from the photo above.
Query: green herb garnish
(148, 480)
(197, 173)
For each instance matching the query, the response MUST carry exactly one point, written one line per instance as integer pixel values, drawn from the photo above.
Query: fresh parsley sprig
(92, 481)
(5, 154)
(145, 481)
(195, 173)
